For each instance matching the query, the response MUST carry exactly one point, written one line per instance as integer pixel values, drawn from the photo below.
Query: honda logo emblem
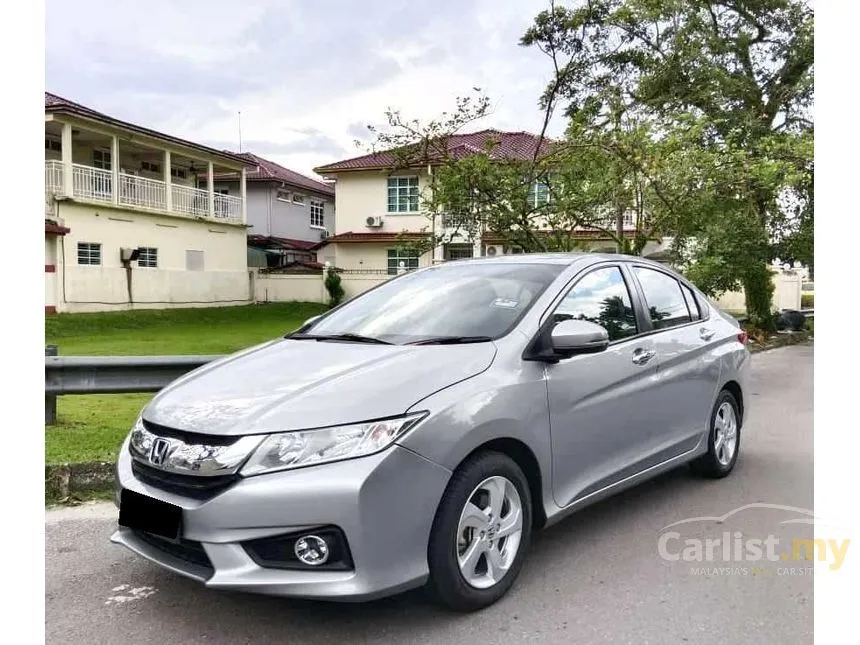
(159, 451)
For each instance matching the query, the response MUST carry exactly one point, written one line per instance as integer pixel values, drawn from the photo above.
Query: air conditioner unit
(495, 250)
(374, 221)
(323, 234)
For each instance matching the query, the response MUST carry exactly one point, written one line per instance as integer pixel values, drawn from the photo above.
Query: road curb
(67, 482)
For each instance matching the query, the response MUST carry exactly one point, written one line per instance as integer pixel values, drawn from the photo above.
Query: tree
(333, 286)
(742, 70)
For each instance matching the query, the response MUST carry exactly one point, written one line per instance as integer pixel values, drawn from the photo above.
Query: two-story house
(288, 213)
(379, 207)
(126, 225)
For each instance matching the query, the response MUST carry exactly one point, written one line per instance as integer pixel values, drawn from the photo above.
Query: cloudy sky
(307, 75)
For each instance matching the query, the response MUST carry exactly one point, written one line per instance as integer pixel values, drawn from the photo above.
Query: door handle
(706, 334)
(642, 356)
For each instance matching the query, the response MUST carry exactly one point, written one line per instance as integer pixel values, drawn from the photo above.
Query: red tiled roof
(270, 171)
(282, 242)
(58, 104)
(592, 234)
(503, 145)
(55, 229)
(350, 237)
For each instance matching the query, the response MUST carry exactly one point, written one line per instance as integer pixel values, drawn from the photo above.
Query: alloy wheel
(489, 532)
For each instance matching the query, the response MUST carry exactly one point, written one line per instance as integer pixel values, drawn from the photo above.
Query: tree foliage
(743, 71)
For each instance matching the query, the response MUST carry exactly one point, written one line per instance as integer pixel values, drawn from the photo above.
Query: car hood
(294, 384)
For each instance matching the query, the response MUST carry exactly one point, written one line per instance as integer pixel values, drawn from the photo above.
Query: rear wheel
(481, 533)
(723, 441)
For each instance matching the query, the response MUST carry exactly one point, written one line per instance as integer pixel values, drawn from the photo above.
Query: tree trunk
(619, 231)
(758, 289)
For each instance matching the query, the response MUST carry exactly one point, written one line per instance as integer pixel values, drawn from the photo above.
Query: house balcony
(92, 184)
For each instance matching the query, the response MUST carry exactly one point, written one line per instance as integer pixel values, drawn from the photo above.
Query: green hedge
(807, 301)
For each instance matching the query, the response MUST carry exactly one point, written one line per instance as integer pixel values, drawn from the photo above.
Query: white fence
(786, 293)
(285, 287)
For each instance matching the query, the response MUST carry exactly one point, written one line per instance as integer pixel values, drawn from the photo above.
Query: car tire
(725, 428)
(459, 532)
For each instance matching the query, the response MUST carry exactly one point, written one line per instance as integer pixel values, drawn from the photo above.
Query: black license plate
(143, 513)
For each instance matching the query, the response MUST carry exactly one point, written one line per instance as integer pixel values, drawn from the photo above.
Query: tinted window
(692, 305)
(601, 297)
(664, 298)
(470, 299)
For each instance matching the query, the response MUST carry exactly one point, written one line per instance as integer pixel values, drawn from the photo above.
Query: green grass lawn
(92, 427)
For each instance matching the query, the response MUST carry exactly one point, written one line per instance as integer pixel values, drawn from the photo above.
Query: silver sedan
(420, 433)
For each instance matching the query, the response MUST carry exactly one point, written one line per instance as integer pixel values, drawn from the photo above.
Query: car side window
(663, 297)
(601, 297)
(692, 305)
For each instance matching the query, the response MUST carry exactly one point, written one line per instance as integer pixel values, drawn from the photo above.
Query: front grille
(186, 550)
(190, 437)
(196, 487)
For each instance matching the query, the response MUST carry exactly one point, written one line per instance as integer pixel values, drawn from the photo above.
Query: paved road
(597, 577)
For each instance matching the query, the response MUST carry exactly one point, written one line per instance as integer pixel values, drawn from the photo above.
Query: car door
(600, 405)
(688, 369)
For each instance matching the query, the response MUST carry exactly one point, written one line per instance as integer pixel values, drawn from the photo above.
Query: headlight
(309, 447)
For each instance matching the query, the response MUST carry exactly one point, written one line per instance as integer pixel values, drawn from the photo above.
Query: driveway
(597, 577)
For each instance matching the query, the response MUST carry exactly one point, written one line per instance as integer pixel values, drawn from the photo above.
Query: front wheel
(481, 532)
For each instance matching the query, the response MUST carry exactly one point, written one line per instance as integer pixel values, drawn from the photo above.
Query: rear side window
(601, 297)
(663, 297)
(692, 305)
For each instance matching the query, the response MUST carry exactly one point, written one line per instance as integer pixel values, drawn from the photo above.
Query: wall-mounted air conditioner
(374, 221)
(323, 234)
(495, 249)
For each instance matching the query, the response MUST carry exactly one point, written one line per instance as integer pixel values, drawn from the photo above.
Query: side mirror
(571, 337)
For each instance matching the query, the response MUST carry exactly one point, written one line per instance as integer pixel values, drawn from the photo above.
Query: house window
(148, 257)
(538, 194)
(194, 260)
(284, 195)
(401, 259)
(178, 173)
(89, 253)
(317, 214)
(150, 166)
(101, 159)
(298, 199)
(403, 194)
(54, 145)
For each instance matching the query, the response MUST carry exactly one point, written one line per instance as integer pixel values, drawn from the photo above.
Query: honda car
(422, 432)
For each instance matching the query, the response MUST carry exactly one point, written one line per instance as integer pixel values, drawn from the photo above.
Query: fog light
(311, 549)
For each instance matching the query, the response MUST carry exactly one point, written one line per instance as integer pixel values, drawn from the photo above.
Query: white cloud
(301, 73)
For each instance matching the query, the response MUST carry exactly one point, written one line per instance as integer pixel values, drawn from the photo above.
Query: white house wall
(224, 279)
(363, 194)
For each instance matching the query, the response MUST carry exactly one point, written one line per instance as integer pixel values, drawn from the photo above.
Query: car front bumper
(384, 504)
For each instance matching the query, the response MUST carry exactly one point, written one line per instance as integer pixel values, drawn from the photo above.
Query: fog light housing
(322, 548)
(312, 550)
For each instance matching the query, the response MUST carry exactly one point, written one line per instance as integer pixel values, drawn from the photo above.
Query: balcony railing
(142, 192)
(53, 176)
(190, 201)
(228, 207)
(92, 183)
(96, 184)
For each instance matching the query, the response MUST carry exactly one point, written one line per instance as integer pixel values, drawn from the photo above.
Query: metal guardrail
(111, 374)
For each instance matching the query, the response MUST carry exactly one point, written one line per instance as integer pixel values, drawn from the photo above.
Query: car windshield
(470, 302)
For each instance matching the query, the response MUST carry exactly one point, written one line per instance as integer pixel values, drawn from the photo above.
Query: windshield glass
(455, 300)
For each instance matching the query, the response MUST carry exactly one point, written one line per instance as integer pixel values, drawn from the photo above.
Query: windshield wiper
(452, 340)
(354, 338)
